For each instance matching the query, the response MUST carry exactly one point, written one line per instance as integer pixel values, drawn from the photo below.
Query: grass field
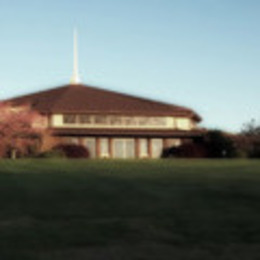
(168, 209)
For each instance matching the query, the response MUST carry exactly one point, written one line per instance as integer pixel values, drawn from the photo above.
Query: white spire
(75, 76)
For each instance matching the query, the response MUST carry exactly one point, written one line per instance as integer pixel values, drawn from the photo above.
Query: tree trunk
(13, 154)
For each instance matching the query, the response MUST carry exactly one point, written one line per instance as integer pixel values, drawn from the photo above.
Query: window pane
(104, 147)
(90, 144)
(143, 147)
(143, 121)
(131, 121)
(124, 148)
(110, 120)
(129, 148)
(118, 148)
(84, 119)
(69, 119)
(115, 120)
(160, 121)
(183, 123)
(157, 146)
(100, 119)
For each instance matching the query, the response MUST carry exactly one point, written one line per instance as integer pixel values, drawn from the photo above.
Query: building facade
(110, 124)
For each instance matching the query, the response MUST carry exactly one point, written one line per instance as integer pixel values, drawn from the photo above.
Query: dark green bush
(189, 150)
(72, 150)
(219, 145)
(255, 151)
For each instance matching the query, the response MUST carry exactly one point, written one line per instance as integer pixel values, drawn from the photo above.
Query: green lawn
(165, 209)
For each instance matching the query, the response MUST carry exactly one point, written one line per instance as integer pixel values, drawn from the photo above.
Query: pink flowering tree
(19, 129)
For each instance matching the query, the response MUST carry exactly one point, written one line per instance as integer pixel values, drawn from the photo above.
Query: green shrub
(219, 145)
(188, 150)
(255, 151)
(72, 150)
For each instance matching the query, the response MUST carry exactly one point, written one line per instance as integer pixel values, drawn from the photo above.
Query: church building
(110, 124)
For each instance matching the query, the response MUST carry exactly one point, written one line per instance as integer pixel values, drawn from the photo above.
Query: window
(158, 121)
(102, 120)
(118, 148)
(115, 120)
(143, 121)
(104, 152)
(84, 119)
(124, 148)
(90, 144)
(157, 147)
(143, 144)
(183, 123)
(130, 121)
(152, 121)
(129, 148)
(69, 119)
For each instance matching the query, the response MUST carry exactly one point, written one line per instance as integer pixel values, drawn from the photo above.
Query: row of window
(114, 120)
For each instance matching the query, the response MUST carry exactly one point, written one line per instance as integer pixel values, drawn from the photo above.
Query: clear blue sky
(204, 54)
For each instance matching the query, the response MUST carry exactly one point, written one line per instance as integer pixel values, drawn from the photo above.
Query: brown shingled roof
(87, 99)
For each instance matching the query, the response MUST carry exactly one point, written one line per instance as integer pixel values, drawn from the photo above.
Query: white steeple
(75, 75)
